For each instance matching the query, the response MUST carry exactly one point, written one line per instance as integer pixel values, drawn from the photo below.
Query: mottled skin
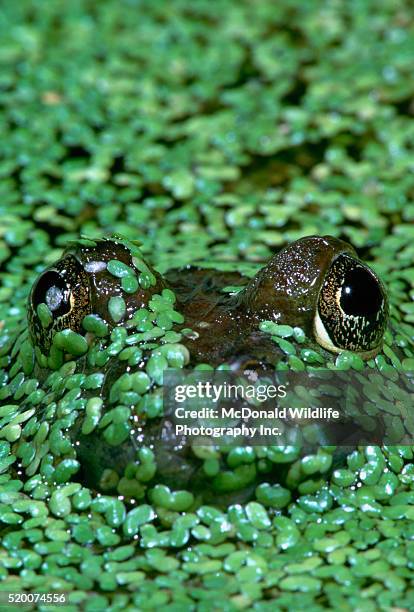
(225, 327)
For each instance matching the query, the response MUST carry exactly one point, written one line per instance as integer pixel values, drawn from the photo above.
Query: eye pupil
(52, 289)
(352, 308)
(361, 294)
(54, 297)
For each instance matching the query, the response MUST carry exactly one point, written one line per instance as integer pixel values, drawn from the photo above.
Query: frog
(316, 283)
(100, 287)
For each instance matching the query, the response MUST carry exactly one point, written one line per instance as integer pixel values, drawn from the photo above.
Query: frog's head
(320, 284)
(107, 279)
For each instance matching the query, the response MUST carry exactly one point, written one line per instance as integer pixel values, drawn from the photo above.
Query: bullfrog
(316, 283)
(105, 312)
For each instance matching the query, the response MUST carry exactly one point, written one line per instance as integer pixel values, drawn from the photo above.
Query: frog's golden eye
(59, 299)
(352, 308)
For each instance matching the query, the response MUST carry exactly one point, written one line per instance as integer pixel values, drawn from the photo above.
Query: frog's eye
(52, 289)
(59, 299)
(352, 308)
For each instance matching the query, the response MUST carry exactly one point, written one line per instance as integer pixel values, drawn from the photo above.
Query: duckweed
(69, 341)
(95, 324)
(215, 153)
(116, 308)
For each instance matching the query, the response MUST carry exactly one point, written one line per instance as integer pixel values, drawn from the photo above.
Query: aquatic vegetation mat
(211, 135)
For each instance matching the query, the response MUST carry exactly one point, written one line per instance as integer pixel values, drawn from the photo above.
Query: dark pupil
(361, 294)
(52, 290)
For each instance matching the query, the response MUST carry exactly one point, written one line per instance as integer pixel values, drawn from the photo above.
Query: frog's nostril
(352, 308)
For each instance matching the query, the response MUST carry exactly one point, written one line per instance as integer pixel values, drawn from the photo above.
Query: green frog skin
(316, 283)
